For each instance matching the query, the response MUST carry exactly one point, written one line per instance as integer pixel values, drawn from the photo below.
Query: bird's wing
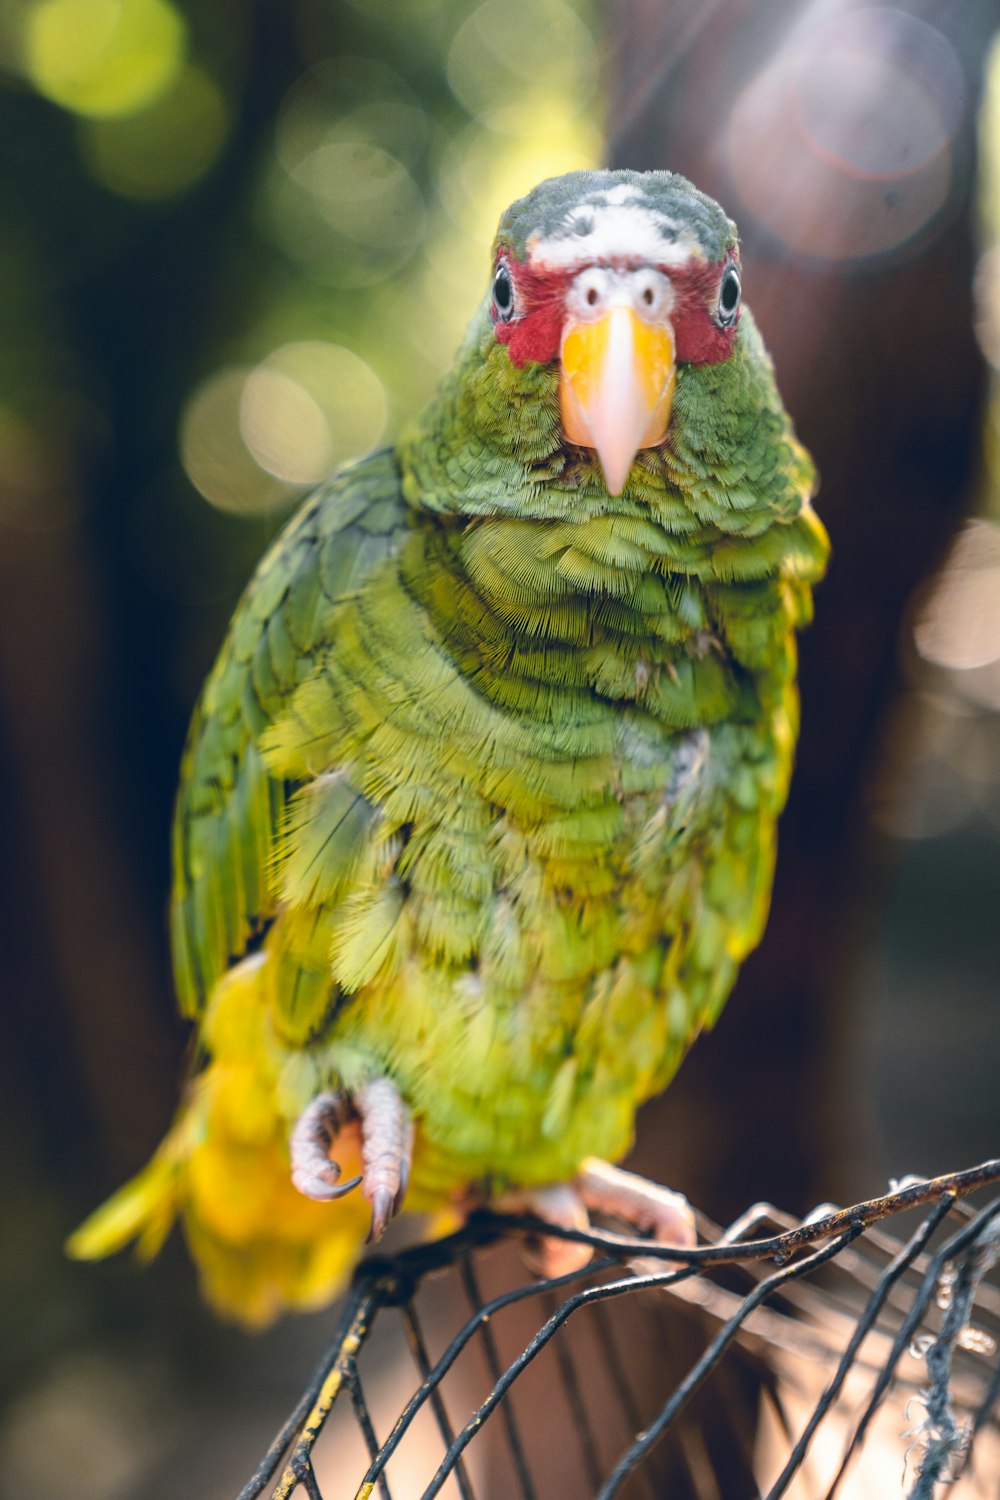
(230, 811)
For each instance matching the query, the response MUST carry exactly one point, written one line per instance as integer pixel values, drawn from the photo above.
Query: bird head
(619, 280)
(611, 369)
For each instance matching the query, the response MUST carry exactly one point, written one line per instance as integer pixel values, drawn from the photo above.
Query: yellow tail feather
(143, 1210)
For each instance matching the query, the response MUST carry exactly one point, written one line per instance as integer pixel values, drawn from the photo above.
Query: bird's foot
(604, 1189)
(386, 1149)
(646, 1206)
(560, 1204)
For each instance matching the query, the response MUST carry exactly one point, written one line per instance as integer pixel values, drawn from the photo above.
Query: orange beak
(616, 386)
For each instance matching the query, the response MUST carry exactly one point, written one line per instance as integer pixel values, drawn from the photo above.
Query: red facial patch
(699, 338)
(534, 332)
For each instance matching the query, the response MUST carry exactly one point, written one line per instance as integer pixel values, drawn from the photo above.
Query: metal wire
(840, 1330)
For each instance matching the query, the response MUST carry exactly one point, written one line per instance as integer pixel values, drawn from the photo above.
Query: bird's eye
(503, 293)
(729, 297)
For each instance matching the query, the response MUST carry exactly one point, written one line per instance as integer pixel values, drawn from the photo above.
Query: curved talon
(324, 1189)
(314, 1174)
(343, 1188)
(386, 1149)
(382, 1211)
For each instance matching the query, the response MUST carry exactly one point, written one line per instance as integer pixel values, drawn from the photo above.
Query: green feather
(326, 842)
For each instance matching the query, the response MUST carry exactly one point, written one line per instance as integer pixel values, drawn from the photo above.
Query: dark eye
(503, 293)
(729, 297)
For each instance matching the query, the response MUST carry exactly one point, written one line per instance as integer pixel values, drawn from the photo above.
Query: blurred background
(238, 245)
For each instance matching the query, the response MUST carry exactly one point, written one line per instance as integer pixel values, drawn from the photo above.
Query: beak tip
(615, 472)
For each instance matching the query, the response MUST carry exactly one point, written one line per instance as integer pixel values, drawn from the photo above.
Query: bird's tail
(260, 1247)
(143, 1210)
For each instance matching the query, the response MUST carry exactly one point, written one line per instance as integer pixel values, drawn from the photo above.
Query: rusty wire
(843, 1323)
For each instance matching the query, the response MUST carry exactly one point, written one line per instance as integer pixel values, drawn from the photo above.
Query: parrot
(477, 812)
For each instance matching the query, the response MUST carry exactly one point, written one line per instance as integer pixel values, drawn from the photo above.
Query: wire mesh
(832, 1357)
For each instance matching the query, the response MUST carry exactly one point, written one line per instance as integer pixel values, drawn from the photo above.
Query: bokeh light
(308, 407)
(501, 62)
(162, 149)
(104, 57)
(215, 457)
(841, 146)
(959, 624)
(252, 437)
(339, 196)
(283, 427)
(350, 99)
(349, 212)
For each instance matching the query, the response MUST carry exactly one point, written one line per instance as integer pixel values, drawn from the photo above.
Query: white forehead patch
(619, 226)
(623, 193)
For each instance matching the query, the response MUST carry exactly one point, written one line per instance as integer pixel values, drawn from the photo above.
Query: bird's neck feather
(516, 548)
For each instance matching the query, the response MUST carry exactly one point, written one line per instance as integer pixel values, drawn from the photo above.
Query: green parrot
(477, 811)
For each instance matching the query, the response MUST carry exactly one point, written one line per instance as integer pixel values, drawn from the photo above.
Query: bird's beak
(616, 384)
